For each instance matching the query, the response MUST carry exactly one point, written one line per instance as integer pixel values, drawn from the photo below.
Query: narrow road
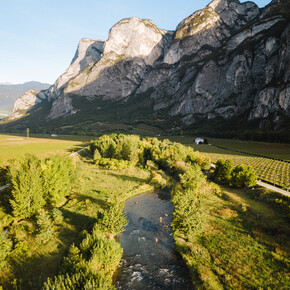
(277, 189)
(4, 187)
(78, 152)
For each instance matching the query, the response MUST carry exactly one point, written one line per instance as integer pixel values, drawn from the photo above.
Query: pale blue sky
(39, 37)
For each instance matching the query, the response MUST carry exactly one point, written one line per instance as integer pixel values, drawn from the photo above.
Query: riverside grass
(243, 244)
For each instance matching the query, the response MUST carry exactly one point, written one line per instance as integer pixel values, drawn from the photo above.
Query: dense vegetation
(73, 221)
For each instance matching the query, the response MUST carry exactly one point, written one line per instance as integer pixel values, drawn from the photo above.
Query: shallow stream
(150, 260)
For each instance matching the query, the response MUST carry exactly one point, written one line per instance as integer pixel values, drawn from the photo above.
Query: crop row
(269, 170)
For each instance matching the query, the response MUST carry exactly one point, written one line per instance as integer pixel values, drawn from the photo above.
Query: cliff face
(24, 103)
(226, 60)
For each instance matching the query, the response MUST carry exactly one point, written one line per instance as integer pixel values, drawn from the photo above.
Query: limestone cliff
(24, 103)
(228, 60)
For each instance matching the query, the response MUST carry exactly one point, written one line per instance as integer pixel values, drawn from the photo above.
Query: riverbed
(150, 260)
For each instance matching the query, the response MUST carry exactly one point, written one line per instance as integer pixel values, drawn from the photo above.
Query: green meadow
(12, 146)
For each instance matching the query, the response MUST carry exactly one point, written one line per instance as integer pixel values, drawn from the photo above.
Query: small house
(199, 141)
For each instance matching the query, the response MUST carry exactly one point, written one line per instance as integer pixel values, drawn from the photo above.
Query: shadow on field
(101, 202)
(128, 178)
(78, 221)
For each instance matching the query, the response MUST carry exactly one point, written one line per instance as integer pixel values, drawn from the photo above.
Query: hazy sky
(39, 37)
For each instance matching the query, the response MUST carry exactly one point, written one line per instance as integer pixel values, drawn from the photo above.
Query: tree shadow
(128, 178)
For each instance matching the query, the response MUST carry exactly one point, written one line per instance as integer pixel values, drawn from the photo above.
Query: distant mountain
(224, 71)
(10, 92)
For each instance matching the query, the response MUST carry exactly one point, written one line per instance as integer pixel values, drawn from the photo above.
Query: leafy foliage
(36, 183)
(192, 178)
(58, 172)
(27, 186)
(188, 213)
(113, 220)
(223, 171)
(242, 176)
(5, 248)
(45, 227)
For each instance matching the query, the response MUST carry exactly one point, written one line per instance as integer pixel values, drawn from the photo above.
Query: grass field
(14, 146)
(244, 244)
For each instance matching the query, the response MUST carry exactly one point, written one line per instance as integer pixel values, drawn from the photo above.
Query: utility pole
(27, 133)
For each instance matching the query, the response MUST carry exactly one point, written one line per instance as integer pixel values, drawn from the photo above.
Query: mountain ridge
(227, 61)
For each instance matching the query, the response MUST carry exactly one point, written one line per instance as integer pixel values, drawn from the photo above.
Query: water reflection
(149, 260)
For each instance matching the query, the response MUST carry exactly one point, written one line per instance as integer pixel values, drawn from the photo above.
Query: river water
(150, 260)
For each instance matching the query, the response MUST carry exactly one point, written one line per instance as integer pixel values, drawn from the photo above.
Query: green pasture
(14, 146)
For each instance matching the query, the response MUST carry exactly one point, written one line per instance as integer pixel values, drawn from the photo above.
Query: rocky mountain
(9, 93)
(225, 69)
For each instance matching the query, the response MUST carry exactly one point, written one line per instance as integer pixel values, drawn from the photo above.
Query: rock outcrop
(24, 103)
(227, 60)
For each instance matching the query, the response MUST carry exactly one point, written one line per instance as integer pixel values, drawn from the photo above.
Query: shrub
(97, 155)
(192, 178)
(77, 281)
(158, 180)
(58, 172)
(243, 175)
(45, 227)
(223, 171)
(27, 190)
(5, 248)
(128, 147)
(113, 220)
(57, 216)
(188, 214)
(106, 146)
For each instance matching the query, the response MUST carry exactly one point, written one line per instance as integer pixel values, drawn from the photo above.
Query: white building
(199, 141)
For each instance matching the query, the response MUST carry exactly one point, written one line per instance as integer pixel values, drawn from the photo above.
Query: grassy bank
(243, 244)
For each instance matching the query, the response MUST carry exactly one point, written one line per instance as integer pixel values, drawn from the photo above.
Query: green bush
(192, 178)
(25, 176)
(45, 227)
(158, 179)
(113, 220)
(58, 173)
(78, 281)
(243, 175)
(223, 171)
(188, 216)
(57, 216)
(5, 248)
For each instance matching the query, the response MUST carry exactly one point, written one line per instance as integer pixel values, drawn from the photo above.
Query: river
(150, 260)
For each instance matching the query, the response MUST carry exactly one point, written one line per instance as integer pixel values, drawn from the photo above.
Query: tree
(192, 178)
(58, 172)
(114, 220)
(242, 176)
(223, 171)
(27, 191)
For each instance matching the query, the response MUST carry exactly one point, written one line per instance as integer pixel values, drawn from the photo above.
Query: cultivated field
(267, 168)
(12, 146)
